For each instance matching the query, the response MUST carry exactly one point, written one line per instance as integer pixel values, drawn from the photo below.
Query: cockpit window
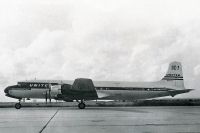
(22, 85)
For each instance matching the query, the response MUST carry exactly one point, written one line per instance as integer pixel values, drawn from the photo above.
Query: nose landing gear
(18, 105)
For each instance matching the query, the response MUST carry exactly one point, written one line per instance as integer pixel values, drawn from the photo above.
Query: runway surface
(171, 119)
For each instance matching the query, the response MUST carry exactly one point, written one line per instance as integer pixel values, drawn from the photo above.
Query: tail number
(174, 67)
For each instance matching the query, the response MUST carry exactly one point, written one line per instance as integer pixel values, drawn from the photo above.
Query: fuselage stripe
(171, 79)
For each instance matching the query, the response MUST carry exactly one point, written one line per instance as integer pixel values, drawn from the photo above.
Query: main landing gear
(81, 104)
(18, 105)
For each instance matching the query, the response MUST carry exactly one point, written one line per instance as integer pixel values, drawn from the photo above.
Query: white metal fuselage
(108, 90)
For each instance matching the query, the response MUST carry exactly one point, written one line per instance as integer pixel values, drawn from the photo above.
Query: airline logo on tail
(174, 72)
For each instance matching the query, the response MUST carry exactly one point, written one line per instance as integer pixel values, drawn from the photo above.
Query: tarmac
(154, 119)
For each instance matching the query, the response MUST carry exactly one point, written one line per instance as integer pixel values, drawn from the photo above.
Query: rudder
(174, 75)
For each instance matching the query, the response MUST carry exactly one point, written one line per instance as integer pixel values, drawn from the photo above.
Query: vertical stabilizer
(174, 75)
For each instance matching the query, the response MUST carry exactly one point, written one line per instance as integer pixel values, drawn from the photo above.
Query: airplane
(83, 89)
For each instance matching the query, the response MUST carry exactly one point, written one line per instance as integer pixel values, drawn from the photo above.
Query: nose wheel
(18, 105)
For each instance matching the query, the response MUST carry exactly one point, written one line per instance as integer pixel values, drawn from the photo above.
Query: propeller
(46, 97)
(48, 94)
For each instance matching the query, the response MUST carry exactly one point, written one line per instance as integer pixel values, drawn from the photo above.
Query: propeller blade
(46, 97)
(50, 93)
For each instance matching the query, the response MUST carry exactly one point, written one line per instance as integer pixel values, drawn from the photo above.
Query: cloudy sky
(124, 40)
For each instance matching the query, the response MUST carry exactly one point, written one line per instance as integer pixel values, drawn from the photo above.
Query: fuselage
(108, 90)
(82, 89)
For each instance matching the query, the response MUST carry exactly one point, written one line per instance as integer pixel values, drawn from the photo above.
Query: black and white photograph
(100, 66)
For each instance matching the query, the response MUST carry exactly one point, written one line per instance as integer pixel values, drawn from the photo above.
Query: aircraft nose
(7, 89)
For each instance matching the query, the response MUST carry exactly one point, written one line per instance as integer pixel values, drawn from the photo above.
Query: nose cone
(7, 89)
(8, 93)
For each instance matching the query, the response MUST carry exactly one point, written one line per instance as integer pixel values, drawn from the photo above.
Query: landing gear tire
(18, 105)
(81, 105)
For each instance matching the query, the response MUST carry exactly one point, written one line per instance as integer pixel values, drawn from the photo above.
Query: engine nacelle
(65, 88)
(82, 88)
(55, 90)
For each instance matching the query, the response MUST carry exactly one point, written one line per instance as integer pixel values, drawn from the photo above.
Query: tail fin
(174, 75)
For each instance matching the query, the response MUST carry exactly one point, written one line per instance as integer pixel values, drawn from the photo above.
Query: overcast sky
(124, 40)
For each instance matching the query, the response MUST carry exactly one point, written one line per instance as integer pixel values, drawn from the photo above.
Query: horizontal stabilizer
(176, 92)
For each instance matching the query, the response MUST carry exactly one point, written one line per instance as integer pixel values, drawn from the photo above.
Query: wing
(82, 89)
